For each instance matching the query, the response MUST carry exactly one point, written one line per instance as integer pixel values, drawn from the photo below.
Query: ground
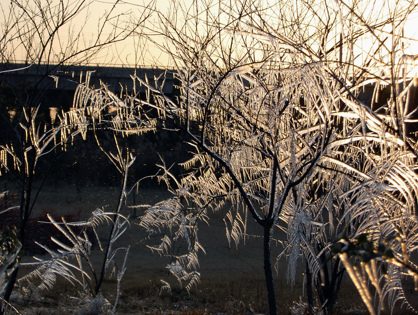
(232, 279)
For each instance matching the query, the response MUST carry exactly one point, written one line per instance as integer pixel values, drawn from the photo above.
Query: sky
(135, 51)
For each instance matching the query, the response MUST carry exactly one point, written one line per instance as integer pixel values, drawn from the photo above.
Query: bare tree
(47, 35)
(72, 260)
(62, 32)
(271, 98)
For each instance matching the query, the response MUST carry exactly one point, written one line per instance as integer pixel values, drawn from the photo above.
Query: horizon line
(97, 64)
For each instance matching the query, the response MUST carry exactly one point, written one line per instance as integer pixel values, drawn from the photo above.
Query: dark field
(232, 279)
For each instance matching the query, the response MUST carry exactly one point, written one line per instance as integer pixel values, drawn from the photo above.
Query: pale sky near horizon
(126, 53)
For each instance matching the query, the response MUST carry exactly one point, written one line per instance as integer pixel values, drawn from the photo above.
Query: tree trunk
(26, 191)
(114, 223)
(268, 272)
(13, 276)
(309, 289)
(8, 291)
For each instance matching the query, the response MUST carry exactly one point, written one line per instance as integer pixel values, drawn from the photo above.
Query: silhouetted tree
(271, 97)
